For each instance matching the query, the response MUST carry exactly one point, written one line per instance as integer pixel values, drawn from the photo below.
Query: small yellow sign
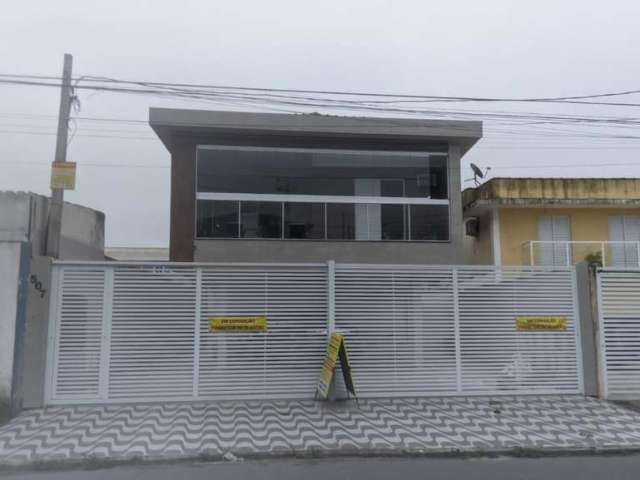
(529, 324)
(63, 175)
(237, 324)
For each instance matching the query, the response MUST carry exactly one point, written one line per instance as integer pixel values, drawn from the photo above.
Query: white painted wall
(9, 276)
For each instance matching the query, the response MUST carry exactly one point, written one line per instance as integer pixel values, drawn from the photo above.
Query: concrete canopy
(176, 122)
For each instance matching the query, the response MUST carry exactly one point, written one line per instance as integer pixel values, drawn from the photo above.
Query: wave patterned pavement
(409, 425)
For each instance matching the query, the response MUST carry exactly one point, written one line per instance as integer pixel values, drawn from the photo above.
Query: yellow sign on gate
(237, 324)
(528, 324)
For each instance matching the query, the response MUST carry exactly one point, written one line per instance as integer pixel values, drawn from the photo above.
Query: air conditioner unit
(472, 227)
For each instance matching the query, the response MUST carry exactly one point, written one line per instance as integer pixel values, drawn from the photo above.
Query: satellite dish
(476, 171)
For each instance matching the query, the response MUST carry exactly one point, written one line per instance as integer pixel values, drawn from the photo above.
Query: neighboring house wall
(520, 225)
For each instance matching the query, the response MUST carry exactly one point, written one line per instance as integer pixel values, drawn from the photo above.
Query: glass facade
(242, 193)
(304, 172)
(318, 221)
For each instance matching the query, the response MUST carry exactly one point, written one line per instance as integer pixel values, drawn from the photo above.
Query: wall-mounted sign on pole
(336, 349)
(237, 324)
(63, 175)
(539, 324)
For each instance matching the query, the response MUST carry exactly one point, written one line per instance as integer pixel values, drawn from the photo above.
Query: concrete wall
(82, 233)
(311, 251)
(36, 331)
(156, 254)
(14, 258)
(520, 225)
(24, 216)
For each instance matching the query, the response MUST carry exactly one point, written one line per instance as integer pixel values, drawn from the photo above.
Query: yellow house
(553, 221)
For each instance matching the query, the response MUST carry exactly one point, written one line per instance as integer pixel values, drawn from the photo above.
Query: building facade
(546, 221)
(257, 187)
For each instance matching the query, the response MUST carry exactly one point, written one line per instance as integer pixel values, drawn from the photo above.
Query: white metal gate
(619, 333)
(139, 332)
(422, 330)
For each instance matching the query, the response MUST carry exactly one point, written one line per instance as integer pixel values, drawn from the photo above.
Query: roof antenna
(477, 174)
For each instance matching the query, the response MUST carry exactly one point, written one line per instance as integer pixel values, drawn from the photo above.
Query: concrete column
(36, 332)
(183, 201)
(588, 318)
(455, 201)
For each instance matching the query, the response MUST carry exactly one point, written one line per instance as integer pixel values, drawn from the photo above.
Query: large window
(245, 192)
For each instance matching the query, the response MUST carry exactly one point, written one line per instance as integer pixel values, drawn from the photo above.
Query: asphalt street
(548, 468)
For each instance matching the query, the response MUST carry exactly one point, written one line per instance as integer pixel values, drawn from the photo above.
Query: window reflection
(307, 172)
(304, 220)
(261, 219)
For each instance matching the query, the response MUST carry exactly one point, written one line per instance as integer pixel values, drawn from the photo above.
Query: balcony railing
(607, 254)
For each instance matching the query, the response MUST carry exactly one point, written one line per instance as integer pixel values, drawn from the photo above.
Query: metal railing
(623, 254)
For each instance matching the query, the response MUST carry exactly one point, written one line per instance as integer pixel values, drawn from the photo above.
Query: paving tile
(245, 428)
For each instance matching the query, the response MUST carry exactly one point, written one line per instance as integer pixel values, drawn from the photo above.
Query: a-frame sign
(336, 349)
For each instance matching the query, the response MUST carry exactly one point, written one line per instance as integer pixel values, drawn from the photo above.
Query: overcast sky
(490, 48)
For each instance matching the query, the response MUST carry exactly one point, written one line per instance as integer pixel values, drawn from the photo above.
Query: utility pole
(54, 224)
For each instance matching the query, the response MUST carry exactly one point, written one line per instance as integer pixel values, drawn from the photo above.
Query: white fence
(619, 333)
(139, 332)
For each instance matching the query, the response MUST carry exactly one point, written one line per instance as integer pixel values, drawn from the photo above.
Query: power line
(497, 167)
(26, 132)
(337, 92)
(301, 102)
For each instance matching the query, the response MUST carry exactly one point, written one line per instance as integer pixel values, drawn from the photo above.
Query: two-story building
(553, 221)
(264, 187)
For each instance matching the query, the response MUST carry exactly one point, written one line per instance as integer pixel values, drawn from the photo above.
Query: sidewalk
(553, 424)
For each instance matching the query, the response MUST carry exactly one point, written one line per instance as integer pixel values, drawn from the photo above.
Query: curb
(97, 463)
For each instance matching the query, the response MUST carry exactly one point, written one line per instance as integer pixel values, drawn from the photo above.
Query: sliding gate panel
(139, 332)
(284, 361)
(495, 356)
(419, 331)
(619, 322)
